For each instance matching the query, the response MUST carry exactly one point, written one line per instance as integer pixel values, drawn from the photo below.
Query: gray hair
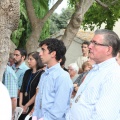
(110, 39)
(74, 67)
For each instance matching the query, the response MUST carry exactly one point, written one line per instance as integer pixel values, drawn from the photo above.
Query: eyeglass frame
(97, 44)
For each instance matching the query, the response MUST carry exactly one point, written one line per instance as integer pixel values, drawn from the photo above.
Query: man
(84, 57)
(55, 87)
(98, 97)
(11, 59)
(11, 82)
(5, 104)
(19, 67)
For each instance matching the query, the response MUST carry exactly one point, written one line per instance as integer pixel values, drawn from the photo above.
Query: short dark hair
(86, 42)
(110, 39)
(22, 52)
(36, 56)
(56, 45)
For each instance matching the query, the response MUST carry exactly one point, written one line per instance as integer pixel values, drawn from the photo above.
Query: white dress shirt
(98, 97)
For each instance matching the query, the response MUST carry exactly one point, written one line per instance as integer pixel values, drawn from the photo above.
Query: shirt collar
(51, 69)
(104, 64)
(20, 67)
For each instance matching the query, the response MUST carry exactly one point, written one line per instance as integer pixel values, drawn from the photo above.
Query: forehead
(44, 46)
(16, 52)
(85, 45)
(98, 38)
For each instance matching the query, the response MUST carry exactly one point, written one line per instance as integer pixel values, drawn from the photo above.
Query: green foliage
(17, 34)
(97, 15)
(72, 3)
(58, 22)
(20, 36)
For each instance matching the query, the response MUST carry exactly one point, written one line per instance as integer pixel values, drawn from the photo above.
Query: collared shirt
(10, 81)
(53, 98)
(20, 73)
(98, 97)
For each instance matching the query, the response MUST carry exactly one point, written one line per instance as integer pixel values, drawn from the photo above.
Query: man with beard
(19, 67)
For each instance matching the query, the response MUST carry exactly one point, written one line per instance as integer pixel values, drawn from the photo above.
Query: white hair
(74, 67)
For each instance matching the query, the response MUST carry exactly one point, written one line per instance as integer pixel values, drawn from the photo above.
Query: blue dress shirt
(98, 97)
(20, 73)
(53, 98)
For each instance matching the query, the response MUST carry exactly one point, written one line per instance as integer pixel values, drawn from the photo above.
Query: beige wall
(117, 28)
(73, 53)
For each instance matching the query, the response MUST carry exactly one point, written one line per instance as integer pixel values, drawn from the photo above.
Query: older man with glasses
(98, 96)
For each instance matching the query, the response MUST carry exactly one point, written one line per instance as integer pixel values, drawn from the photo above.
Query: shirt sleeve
(62, 99)
(36, 106)
(108, 106)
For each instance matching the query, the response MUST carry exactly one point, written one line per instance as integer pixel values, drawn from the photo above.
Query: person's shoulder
(28, 71)
(23, 66)
(9, 70)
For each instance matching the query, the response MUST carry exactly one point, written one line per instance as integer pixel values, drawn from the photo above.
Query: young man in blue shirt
(55, 87)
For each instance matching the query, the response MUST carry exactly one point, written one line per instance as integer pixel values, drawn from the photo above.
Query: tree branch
(52, 10)
(102, 4)
(31, 13)
(114, 2)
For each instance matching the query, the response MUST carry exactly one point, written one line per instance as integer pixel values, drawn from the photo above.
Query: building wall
(117, 28)
(73, 52)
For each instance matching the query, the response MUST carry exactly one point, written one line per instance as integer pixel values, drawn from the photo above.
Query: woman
(30, 81)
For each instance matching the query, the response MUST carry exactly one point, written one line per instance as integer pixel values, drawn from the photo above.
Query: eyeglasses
(97, 44)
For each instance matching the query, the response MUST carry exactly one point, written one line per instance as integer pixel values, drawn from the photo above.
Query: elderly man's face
(99, 52)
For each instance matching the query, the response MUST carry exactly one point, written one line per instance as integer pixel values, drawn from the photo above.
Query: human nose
(90, 46)
(28, 60)
(40, 53)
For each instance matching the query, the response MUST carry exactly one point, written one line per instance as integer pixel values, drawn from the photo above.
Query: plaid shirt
(10, 81)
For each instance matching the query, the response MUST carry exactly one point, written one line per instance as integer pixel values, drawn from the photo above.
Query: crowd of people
(88, 89)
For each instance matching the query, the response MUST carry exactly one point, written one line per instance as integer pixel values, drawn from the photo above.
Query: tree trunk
(36, 24)
(9, 17)
(32, 43)
(75, 22)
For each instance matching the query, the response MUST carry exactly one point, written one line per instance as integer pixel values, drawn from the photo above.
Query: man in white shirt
(84, 57)
(5, 104)
(98, 97)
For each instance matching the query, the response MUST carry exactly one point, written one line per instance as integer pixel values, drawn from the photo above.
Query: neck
(18, 64)
(34, 70)
(52, 64)
(85, 54)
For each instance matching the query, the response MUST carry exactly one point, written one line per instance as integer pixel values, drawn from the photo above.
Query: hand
(75, 85)
(25, 109)
(76, 89)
